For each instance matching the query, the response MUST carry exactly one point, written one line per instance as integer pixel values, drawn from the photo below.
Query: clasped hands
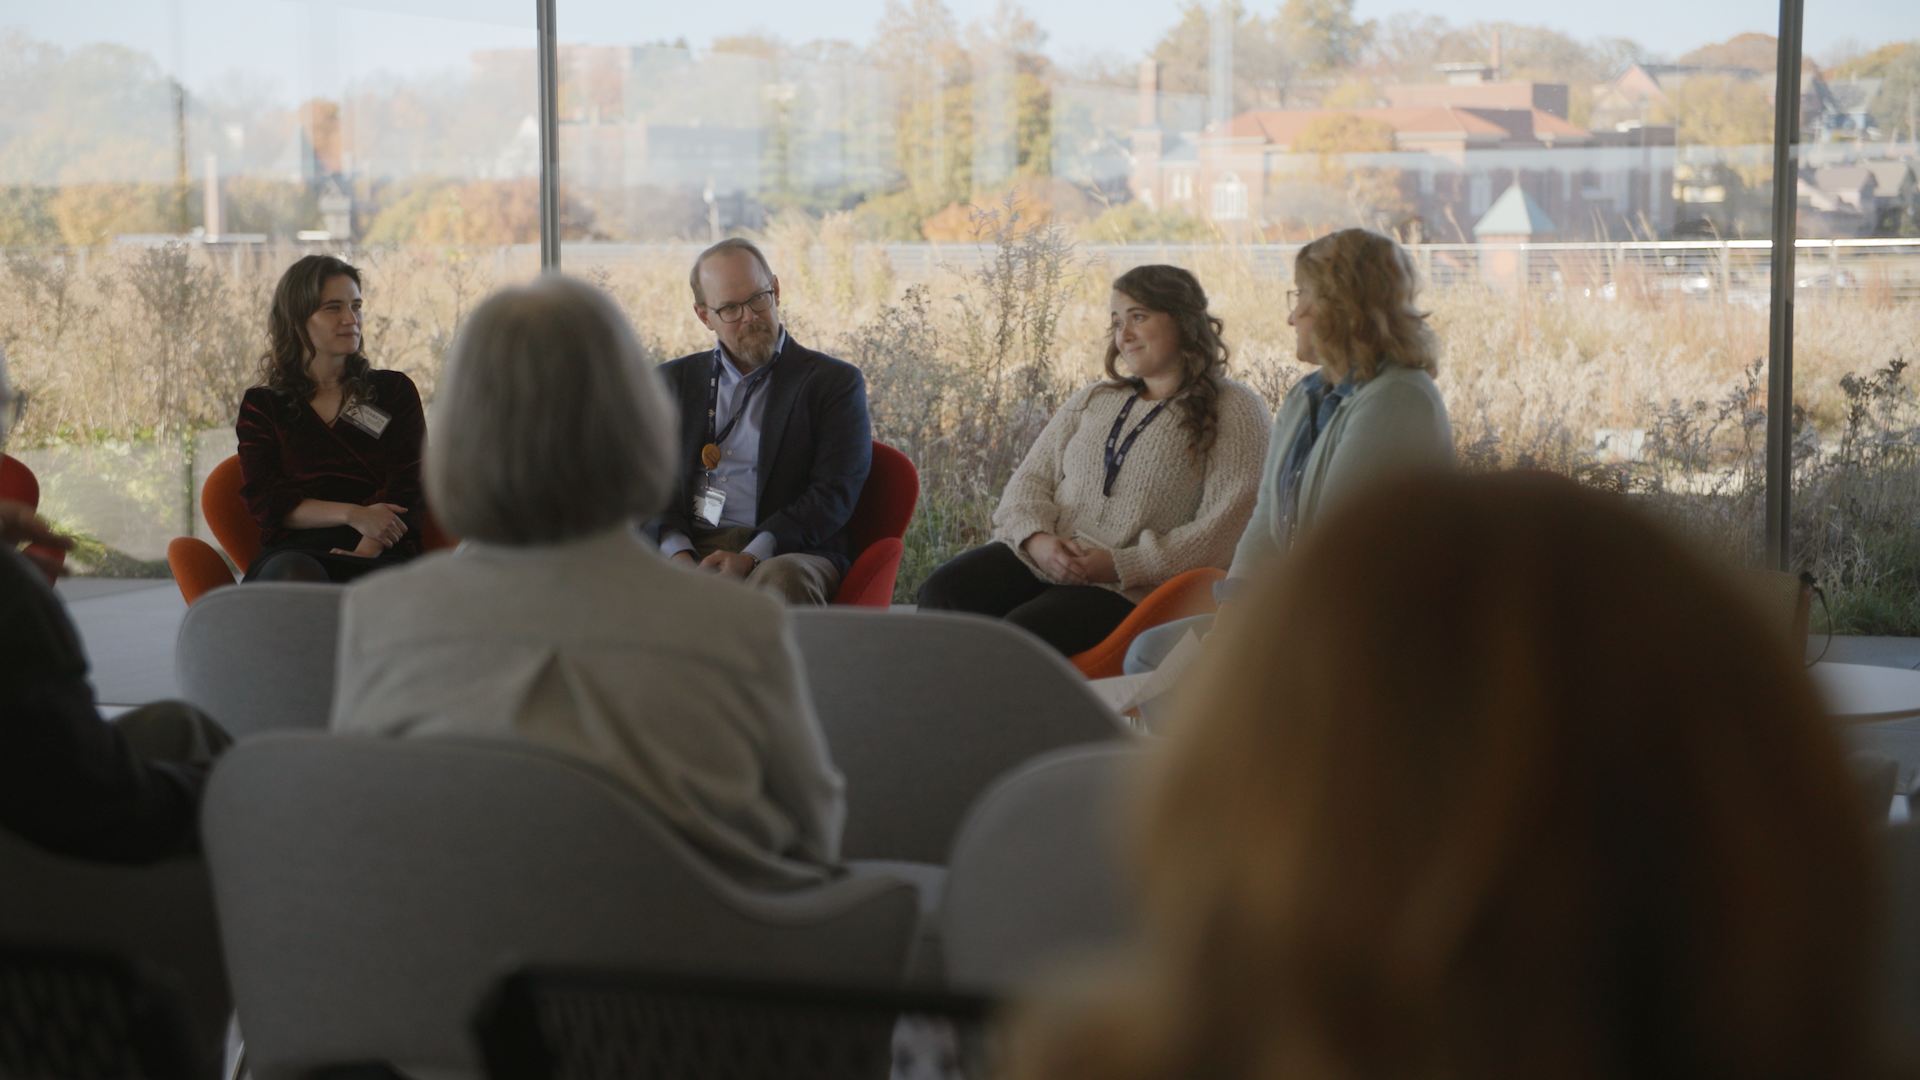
(1068, 562)
(733, 564)
(379, 526)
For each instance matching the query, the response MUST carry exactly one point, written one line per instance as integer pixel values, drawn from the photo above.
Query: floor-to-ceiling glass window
(160, 164)
(948, 186)
(1857, 314)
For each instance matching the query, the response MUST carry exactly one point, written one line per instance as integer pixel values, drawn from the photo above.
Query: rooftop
(1514, 213)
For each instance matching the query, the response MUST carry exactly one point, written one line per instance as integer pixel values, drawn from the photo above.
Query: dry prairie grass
(132, 344)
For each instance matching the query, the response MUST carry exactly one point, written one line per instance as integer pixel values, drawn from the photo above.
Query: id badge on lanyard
(710, 499)
(709, 502)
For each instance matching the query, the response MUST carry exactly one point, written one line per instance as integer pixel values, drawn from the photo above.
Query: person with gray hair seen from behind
(70, 783)
(555, 624)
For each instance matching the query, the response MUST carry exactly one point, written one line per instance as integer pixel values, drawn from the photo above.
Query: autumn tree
(1753, 51)
(937, 67)
(1344, 133)
(1014, 35)
(320, 120)
(1374, 193)
(1719, 110)
(1264, 67)
(1323, 34)
(919, 44)
(1897, 109)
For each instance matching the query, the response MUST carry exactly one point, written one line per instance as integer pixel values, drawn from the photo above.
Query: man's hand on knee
(733, 564)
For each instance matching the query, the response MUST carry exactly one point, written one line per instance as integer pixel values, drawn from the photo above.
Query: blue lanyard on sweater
(1117, 458)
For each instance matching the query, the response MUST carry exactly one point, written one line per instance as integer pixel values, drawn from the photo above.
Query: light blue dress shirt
(738, 473)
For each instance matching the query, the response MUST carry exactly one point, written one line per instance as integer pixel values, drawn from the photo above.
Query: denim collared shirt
(1322, 403)
(738, 473)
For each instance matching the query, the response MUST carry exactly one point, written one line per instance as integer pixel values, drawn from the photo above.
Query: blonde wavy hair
(1561, 839)
(1363, 285)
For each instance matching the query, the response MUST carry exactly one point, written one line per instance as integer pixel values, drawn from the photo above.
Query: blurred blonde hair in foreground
(1531, 796)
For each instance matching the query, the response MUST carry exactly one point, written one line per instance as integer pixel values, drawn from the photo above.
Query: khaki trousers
(795, 578)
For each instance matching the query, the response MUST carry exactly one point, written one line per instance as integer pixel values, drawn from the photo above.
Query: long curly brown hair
(1203, 355)
(283, 367)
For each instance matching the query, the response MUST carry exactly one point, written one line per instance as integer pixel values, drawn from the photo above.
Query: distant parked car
(1841, 278)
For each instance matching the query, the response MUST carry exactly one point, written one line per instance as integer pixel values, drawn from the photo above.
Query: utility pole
(180, 157)
(177, 38)
(547, 67)
(1220, 66)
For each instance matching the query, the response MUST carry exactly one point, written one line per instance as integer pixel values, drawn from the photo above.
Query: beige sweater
(1171, 510)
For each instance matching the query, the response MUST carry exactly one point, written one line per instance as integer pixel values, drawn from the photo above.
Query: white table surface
(1881, 708)
(1862, 694)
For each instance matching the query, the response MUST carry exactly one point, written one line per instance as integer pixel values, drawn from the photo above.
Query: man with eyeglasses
(70, 783)
(775, 442)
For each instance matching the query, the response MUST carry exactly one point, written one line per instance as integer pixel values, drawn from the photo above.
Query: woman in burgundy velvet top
(329, 448)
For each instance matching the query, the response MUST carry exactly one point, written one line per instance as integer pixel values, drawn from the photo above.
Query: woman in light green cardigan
(1371, 409)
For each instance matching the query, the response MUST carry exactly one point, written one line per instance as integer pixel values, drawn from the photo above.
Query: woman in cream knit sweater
(1138, 478)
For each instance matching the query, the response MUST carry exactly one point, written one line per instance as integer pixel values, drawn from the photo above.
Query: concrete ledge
(1896, 652)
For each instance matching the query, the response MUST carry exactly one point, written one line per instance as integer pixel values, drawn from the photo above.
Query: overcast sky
(314, 48)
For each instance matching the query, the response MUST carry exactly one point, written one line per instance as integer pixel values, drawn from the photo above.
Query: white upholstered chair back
(260, 657)
(370, 890)
(923, 711)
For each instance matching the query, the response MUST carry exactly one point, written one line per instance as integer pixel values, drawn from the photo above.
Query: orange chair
(18, 484)
(1182, 596)
(198, 568)
(878, 528)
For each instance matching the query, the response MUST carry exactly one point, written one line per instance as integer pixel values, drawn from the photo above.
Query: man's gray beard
(759, 352)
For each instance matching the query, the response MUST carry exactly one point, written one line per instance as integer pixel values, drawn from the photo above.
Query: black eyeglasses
(758, 303)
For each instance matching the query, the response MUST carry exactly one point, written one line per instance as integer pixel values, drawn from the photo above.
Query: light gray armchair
(261, 658)
(1035, 874)
(370, 891)
(923, 711)
(160, 915)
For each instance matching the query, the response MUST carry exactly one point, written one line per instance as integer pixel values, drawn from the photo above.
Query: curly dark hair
(283, 367)
(1203, 354)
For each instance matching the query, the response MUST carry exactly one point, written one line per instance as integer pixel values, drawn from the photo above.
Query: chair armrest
(48, 559)
(197, 568)
(1185, 594)
(869, 581)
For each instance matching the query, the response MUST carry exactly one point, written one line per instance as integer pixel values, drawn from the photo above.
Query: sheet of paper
(1182, 657)
(1121, 692)
(1124, 693)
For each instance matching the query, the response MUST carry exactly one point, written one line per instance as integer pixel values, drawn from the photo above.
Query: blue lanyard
(1117, 458)
(750, 383)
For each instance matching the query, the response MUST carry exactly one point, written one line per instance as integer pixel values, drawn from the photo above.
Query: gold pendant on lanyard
(710, 456)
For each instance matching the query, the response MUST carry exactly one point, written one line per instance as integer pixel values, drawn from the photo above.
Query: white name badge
(709, 503)
(367, 418)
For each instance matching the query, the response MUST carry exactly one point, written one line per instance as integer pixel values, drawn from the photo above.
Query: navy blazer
(816, 445)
